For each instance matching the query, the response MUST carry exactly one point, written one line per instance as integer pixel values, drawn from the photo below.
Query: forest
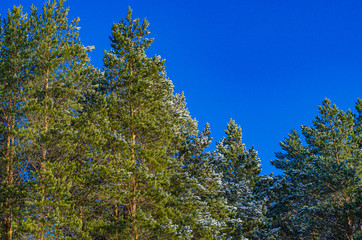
(113, 153)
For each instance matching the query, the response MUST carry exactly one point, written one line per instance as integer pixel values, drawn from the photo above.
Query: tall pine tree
(144, 129)
(14, 57)
(53, 99)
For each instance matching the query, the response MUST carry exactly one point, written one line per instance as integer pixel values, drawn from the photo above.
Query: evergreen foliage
(114, 153)
(320, 194)
(14, 57)
(202, 210)
(147, 123)
(240, 169)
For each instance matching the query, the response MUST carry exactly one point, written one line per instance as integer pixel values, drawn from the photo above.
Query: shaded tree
(322, 178)
(240, 170)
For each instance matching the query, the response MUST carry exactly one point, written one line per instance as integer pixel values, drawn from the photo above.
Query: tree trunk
(10, 176)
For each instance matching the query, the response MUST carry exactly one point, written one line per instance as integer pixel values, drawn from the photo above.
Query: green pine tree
(54, 94)
(14, 55)
(144, 130)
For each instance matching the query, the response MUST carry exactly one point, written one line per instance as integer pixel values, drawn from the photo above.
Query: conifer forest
(113, 153)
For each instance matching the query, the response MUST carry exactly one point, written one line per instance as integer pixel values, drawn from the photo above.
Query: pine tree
(14, 54)
(203, 213)
(240, 169)
(54, 93)
(143, 133)
(323, 187)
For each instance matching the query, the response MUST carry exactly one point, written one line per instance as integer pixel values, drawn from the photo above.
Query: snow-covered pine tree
(323, 178)
(289, 194)
(240, 169)
(202, 212)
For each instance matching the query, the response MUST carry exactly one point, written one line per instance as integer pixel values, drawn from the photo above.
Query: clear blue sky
(266, 64)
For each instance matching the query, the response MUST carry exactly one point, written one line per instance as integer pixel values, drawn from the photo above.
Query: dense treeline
(113, 153)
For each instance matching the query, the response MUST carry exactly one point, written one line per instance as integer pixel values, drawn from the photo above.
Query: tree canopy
(113, 153)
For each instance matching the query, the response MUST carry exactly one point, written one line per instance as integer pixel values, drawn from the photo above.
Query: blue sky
(266, 64)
